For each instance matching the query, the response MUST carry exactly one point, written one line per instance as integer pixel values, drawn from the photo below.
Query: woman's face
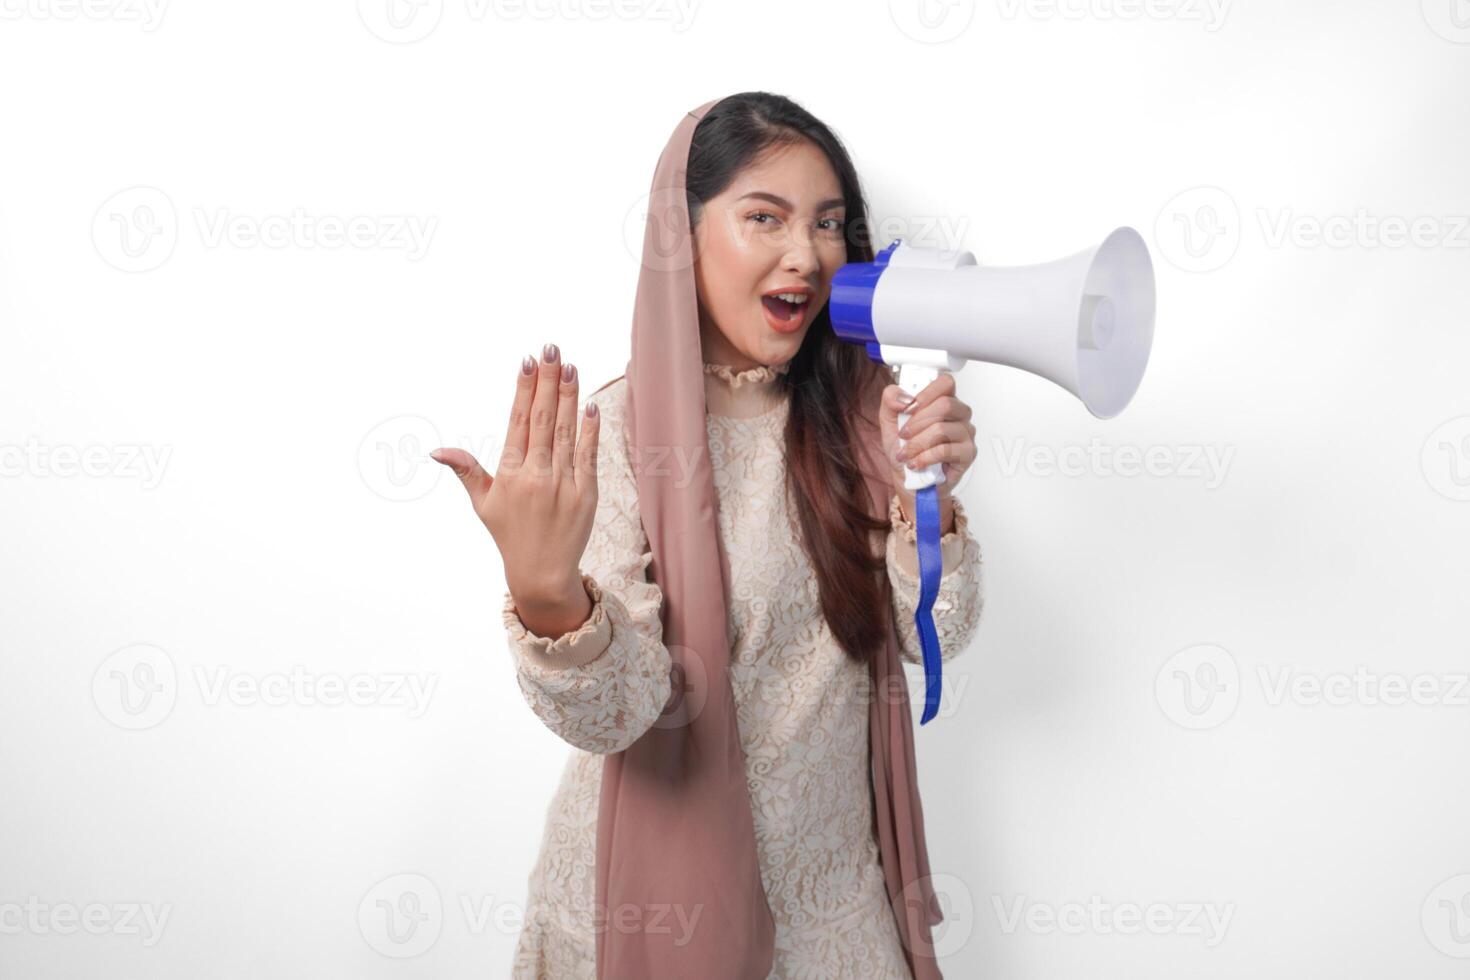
(778, 228)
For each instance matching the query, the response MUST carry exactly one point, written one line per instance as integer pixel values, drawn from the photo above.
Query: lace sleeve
(602, 685)
(959, 602)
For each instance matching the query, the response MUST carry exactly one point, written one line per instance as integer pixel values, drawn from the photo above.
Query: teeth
(797, 298)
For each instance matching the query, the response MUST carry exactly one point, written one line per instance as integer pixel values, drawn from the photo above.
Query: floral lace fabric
(801, 701)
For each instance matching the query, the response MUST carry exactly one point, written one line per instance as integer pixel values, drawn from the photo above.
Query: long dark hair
(833, 385)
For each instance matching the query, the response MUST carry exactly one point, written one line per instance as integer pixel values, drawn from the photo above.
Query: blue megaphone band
(931, 567)
(851, 303)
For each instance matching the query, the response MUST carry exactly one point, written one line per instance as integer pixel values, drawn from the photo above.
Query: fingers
(940, 408)
(892, 404)
(476, 481)
(585, 470)
(946, 442)
(517, 433)
(939, 432)
(544, 409)
(564, 435)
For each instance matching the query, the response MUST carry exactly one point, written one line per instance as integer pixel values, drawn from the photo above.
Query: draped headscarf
(675, 828)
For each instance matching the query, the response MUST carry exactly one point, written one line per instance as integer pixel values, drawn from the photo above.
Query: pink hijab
(674, 825)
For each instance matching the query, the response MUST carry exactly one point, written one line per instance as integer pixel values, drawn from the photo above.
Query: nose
(801, 259)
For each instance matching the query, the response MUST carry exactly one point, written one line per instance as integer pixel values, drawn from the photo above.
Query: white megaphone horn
(1085, 321)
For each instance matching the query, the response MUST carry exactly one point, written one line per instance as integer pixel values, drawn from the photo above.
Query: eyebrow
(781, 202)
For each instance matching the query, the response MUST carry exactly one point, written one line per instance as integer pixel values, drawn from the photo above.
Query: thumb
(476, 481)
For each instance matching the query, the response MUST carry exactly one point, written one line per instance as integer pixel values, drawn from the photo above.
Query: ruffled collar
(760, 374)
(750, 393)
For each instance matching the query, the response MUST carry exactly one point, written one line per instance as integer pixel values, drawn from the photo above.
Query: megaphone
(1085, 322)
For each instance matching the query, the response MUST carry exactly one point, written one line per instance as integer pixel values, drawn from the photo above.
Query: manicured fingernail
(904, 398)
(568, 372)
(528, 364)
(592, 410)
(549, 353)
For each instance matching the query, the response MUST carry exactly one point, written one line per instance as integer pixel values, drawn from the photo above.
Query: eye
(760, 214)
(837, 224)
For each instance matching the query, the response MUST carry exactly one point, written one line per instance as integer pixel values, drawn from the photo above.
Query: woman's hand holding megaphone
(540, 505)
(938, 430)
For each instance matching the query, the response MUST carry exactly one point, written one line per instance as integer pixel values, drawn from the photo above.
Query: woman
(621, 649)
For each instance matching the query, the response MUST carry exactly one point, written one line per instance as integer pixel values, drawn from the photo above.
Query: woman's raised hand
(540, 505)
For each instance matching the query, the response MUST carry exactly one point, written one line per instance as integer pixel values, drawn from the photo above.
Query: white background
(287, 522)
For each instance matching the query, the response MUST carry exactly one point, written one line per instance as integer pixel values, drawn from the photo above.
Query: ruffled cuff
(574, 649)
(904, 541)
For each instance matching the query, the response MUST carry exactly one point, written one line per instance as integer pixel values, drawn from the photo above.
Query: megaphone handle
(914, 378)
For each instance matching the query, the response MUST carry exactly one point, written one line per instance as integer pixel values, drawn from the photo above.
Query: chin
(781, 349)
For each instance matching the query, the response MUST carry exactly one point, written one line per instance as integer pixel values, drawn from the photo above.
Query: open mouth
(784, 315)
(781, 309)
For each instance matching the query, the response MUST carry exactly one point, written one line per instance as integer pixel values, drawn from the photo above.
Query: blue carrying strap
(931, 567)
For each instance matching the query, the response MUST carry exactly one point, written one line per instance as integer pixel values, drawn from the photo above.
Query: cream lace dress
(800, 699)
